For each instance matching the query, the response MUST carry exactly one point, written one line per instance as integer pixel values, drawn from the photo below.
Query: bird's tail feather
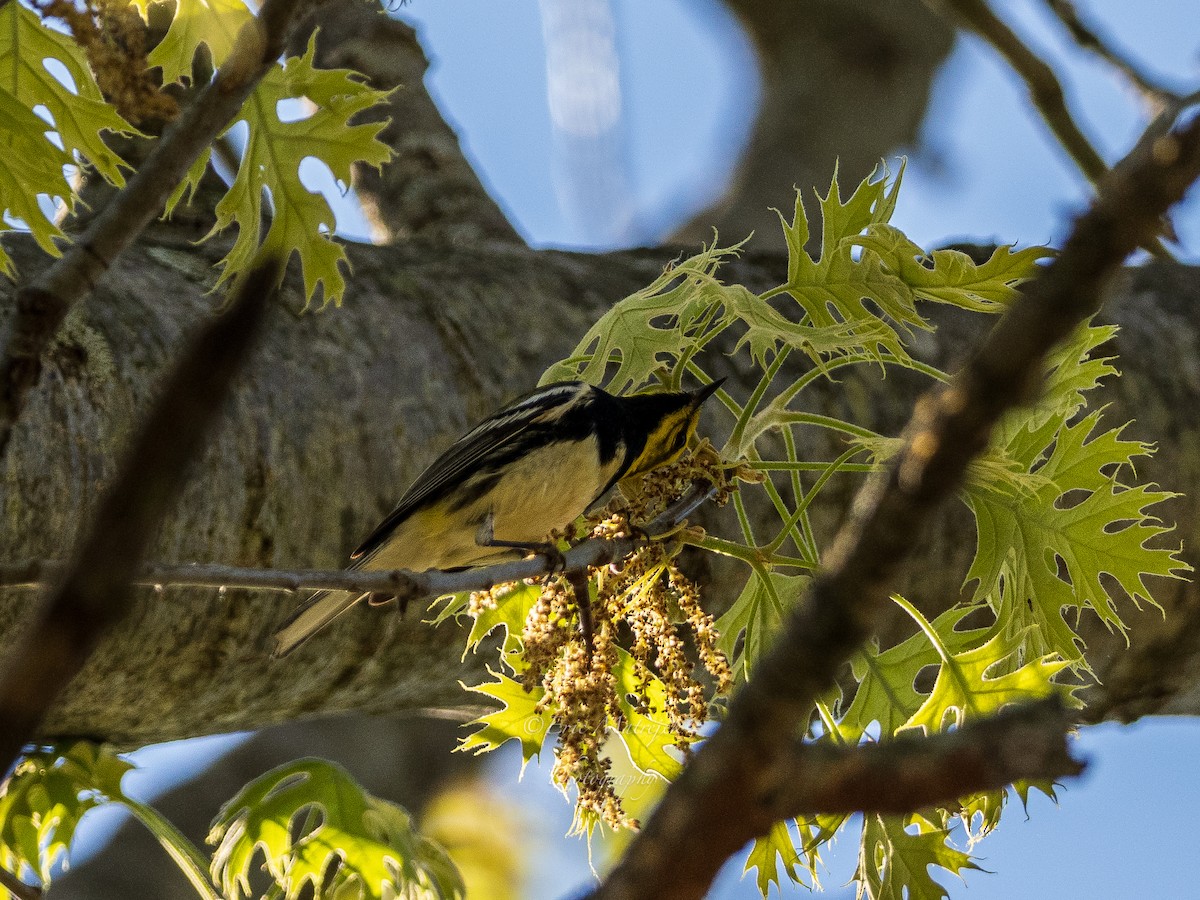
(314, 614)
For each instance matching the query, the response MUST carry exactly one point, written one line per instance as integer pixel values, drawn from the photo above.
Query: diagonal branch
(95, 593)
(1154, 92)
(428, 189)
(723, 797)
(10, 882)
(1020, 743)
(42, 304)
(1045, 90)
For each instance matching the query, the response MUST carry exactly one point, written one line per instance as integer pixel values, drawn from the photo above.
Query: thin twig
(723, 798)
(1045, 90)
(404, 585)
(42, 304)
(1020, 743)
(95, 592)
(1155, 93)
(8, 880)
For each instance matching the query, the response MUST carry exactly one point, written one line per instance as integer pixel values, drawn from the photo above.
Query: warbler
(496, 494)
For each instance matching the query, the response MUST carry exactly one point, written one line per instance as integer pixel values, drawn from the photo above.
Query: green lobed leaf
(187, 188)
(779, 852)
(754, 617)
(512, 608)
(767, 330)
(517, 719)
(80, 116)
(31, 162)
(950, 276)
(43, 801)
(350, 844)
(833, 288)
(647, 735)
(1072, 370)
(893, 862)
(976, 682)
(775, 853)
(886, 693)
(651, 329)
(1069, 518)
(980, 813)
(30, 166)
(301, 221)
(213, 23)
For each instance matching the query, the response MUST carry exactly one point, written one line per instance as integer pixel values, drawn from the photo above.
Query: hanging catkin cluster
(570, 646)
(113, 35)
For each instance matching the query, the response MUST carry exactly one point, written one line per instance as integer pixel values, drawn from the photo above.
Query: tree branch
(428, 188)
(95, 593)
(403, 585)
(1045, 90)
(42, 304)
(10, 882)
(723, 797)
(902, 775)
(1154, 92)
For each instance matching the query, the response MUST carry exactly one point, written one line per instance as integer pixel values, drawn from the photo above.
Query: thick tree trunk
(340, 409)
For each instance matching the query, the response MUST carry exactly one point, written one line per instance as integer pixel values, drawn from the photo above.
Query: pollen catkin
(647, 598)
(113, 35)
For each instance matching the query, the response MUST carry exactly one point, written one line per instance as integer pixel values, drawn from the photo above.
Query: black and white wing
(490, 439)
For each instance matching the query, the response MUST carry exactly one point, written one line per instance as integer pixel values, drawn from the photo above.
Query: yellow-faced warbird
(532, 467)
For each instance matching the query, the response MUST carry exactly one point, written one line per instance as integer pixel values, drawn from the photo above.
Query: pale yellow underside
(547, 489)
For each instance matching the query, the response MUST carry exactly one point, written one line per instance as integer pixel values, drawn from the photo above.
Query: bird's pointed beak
(701, 394)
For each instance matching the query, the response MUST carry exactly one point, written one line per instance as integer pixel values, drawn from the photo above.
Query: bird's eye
(676, 443)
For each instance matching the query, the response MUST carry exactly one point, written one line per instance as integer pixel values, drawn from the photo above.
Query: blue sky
(984, 168)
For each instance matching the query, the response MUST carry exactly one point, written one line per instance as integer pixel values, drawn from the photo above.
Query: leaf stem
(801, 510)
(735, 439)
(185, 854)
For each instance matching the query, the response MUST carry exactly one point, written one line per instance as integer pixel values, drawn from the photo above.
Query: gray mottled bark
(340, 409)
(338, 412)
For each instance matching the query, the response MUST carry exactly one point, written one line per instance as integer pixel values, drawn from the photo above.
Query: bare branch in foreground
(405, 586)
(1020, 743)
(10, 882)
(42, 304)
(723, 797)
(95, 593)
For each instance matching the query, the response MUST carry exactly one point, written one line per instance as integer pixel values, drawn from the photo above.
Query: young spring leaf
(1050, 547)
(31, 164)
(979, 681)
(894, 861)
(517, 719)
(885, 694)
(747, 626)
(213, 23)
(314, 825)
(44, 799)
(650, 330)
(950, 276)
(302, 222)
